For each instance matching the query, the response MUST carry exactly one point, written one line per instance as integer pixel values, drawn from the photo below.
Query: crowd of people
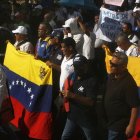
(67, 40)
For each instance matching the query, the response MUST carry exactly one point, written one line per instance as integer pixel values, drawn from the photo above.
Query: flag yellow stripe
(26, 66)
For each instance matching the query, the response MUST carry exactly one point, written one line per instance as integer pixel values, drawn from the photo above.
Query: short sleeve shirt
(82, 114)
(66, 69)
(121, 96)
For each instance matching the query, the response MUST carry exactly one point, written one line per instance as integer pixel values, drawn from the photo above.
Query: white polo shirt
(66, 69)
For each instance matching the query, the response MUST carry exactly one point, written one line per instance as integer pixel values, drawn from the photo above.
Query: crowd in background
(66, 38)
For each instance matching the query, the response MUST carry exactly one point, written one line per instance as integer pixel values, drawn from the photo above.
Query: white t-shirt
(66, 69)
(79, 42)
(132, 50)
(98, 41)
(88, 46)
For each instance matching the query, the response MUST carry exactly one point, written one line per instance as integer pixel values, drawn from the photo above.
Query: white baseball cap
(69, 22)
(20, 30)
(39, 7)
(137, 1)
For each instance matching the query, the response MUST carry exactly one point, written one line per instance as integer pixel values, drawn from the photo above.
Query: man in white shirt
(68, 49)
(127, 29)
(98, 41)
(22, 42)
(124, 45)
(71, 29)
(89, 40)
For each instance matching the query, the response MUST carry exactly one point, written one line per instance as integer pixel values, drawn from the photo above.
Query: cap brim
(17, 32)
(65, 26)
(14, 31)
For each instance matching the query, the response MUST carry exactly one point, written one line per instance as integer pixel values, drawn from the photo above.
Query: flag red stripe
(35, 125)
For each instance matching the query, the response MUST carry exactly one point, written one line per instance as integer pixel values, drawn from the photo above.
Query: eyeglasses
(114, 65)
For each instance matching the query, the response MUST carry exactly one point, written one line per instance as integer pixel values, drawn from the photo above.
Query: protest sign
(110, 23)
(114, 2)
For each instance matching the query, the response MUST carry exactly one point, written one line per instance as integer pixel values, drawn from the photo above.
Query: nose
(62, 49)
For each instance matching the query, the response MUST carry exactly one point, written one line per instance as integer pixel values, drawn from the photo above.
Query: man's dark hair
(122, 36)
(128, 24)
(48, 28)
(69, 42)
(123, 58)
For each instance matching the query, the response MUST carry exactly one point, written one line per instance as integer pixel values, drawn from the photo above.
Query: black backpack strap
(22, 42)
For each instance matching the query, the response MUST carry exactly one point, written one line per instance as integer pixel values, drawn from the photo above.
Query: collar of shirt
(46, 39)
(114, 77)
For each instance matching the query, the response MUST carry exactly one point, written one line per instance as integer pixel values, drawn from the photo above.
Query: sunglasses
(114, 65)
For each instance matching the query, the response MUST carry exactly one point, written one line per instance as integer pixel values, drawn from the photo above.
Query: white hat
(69, 22)
(137, 1)
(136, 9)
(20, 30)
(39, 7)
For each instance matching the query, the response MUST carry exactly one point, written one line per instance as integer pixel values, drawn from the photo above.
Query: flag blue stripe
(33, 97)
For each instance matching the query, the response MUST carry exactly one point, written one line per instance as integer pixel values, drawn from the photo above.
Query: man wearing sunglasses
(121, 99)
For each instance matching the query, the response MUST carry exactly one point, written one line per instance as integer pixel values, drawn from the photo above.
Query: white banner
(114, 2)
(110, 23)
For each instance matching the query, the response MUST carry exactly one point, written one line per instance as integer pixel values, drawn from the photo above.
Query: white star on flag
(30, 104)
(32, 96)
(29, 90)
(17, 82)
(10, 87)
(13, 83)
(21, 82)
(24, 85)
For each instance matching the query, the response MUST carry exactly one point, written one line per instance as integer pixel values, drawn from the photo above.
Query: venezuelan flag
(30, 86)
(134, 69)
